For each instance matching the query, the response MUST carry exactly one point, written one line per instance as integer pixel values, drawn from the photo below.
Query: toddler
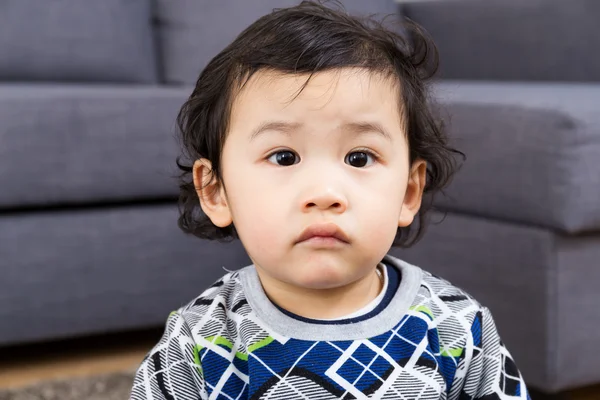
(310, 139)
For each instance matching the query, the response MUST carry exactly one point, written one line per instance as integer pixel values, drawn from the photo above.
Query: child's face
(291, 162)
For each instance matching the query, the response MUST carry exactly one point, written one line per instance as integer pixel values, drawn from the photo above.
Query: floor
(24, 365)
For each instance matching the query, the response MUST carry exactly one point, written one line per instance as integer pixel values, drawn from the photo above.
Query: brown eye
(359, 159)
(284, 158)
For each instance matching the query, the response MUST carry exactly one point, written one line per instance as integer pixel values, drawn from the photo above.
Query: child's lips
(323, 241)
(323, 234)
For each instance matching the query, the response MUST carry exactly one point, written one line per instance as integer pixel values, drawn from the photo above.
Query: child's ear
(414, 193)
(211, 194)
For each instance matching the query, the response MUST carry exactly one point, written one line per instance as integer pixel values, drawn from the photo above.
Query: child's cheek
(262, 237)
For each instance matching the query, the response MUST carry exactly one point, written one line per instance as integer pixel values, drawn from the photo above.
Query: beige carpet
(106, 387)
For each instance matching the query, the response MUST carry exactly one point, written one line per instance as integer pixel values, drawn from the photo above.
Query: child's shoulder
(433, 289)
(443, 301)
(222, 315)
(440, 288)
(226, 294)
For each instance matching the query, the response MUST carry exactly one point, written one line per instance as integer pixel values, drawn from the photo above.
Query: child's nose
(325, 199)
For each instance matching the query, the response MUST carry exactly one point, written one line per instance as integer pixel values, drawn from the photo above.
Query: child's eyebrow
(358, 128)
(279, 126)
(355, 128)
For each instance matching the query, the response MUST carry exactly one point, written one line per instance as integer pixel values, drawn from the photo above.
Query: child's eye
(360, 158)
(284, 158)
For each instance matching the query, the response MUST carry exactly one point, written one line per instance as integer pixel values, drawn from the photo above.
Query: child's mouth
(324, 241)
(324, 234)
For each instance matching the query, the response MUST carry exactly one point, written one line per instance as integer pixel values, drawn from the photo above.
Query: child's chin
(322, 285)
(321, 278)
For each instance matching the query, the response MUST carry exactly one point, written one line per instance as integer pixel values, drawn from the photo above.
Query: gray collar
(293, 328)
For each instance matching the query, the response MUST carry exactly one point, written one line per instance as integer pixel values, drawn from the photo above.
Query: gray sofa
(88, 235)
(521, 89)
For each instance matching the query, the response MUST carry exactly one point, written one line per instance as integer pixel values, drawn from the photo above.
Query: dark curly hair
(306, 39)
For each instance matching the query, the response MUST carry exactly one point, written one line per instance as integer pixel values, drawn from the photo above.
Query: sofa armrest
(533, 152)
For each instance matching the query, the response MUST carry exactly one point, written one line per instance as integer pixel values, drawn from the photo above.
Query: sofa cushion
(191, 32)
(551, 40)
(74, 40)
(93, 271)
(79, 144)
(533, 152)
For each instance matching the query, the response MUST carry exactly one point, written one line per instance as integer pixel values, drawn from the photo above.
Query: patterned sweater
(431, 340)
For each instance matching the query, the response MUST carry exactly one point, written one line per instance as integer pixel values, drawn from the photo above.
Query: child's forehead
(348, 101)
(342, 87)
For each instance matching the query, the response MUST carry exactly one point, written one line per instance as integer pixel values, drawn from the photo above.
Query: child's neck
(322, 303)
